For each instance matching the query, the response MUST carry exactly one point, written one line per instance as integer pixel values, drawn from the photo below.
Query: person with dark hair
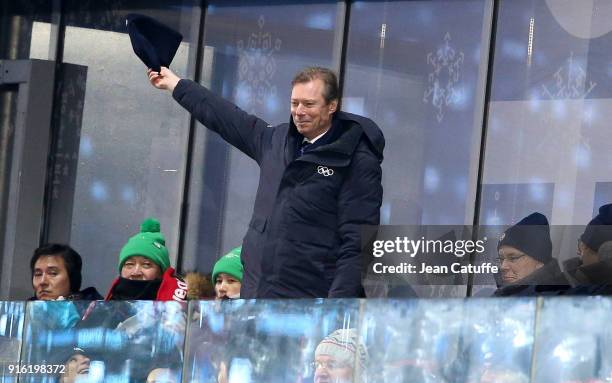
(76, 366)
(526, 262)
(56, 274)
(591, 272)
(320, 179)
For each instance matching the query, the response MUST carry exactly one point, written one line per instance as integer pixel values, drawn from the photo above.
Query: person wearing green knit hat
(144, 268)
(227, 275)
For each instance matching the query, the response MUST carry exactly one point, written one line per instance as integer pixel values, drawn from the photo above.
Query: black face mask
(127, 289)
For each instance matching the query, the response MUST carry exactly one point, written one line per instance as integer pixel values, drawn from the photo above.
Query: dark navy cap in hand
(153, 42)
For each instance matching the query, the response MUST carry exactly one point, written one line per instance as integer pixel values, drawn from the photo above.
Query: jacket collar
(348, 129)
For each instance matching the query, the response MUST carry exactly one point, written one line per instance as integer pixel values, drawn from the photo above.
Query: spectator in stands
(526, 262)
(340, 358)
(56, 274)
(144, 267)
(163, 375)
(76, 367)
(227, 275)
(591, 272)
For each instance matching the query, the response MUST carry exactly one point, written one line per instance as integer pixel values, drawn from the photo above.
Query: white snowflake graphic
(441, 90)
(570, 81)
(257, 66)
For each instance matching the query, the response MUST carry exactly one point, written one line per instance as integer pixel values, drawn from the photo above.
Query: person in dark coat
(56, 274)
(526, 262)
(591, 271)
(320, 180)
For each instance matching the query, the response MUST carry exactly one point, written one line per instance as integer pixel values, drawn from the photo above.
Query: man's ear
(333, 106)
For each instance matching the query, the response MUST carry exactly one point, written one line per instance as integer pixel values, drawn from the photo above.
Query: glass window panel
(547, 146)
(417, 68)
(132, 139)
(116, 341)
(576, 348)
(412, 340)
(252, 49)
(12, 315)
(265, 341)
(497, 340)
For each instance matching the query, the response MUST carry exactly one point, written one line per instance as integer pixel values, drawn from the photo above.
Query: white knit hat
(344, 346)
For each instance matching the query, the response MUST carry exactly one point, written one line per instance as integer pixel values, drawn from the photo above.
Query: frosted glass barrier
(252, 50)
(448, 340)
(574, 341)
(12, 316)
(418, 69)
(273, 341)
(547, 141)
(119, 341)
(413, 340)
(129, 160)
(497, 340)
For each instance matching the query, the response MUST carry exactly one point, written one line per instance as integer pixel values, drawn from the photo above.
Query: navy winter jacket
(303, 240)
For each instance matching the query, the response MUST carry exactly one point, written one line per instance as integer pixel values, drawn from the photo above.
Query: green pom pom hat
(229, 264)
(149, 243)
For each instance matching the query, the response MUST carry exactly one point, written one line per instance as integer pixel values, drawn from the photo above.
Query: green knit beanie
(149, 243)
(229, 264)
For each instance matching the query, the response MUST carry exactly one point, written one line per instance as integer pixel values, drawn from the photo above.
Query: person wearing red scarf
(144, 269)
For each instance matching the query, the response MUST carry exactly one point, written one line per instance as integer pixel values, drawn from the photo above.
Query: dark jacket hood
(354, 127)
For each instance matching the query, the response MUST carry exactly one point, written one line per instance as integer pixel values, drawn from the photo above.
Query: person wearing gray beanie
(340, 358)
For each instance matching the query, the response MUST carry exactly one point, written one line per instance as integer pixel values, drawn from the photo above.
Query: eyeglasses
(329, 365)
(510, 259)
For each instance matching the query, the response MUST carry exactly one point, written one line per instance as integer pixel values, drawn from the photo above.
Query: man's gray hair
(329, 78)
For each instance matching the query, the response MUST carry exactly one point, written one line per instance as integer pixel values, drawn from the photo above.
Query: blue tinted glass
(12, 316)
(269, 341)
(547, 143)
(497, 340)
(412, 340)
(122, 143)
(105, 341)
(576, 347)
(417, 68)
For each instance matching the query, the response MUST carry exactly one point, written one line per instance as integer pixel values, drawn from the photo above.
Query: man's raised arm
(240, 129)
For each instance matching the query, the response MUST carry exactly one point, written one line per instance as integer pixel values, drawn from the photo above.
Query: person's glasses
(329, 365)
(510, 258)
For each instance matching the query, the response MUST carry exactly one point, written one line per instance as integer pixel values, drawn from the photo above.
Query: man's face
(516, 265)
(328, 370)
(311, 114)
(78, 364)
(227, 287)
(587, 255)
(140, 268)
(50, 279)
(161, 375)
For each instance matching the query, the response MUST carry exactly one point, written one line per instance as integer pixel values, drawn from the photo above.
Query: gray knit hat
(344, 346)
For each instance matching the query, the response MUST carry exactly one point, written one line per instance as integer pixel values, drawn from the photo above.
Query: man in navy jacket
(320, 180)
